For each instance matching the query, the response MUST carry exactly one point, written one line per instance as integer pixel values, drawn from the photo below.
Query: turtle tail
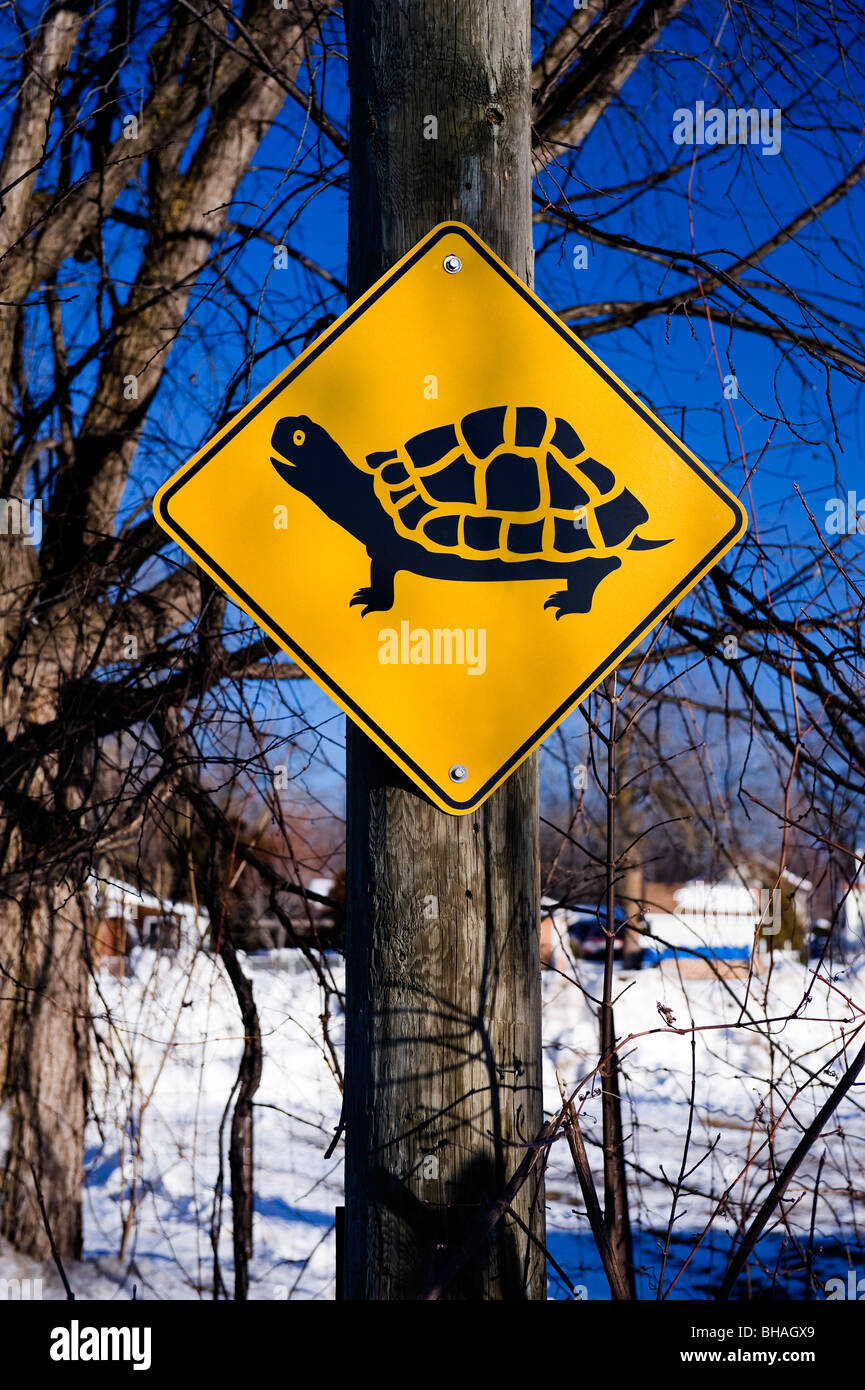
(621, 515)
(640, 543)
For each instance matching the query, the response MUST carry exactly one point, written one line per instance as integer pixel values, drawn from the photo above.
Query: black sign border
(352, 314)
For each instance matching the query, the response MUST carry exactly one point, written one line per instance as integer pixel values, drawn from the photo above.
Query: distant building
(721, 919)
(126, 917)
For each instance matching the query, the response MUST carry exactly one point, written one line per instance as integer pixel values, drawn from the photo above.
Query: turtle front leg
(378, 596)
(584, 577)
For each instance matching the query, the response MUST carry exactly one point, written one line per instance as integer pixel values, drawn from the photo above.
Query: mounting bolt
(452, 264)
(458, 773)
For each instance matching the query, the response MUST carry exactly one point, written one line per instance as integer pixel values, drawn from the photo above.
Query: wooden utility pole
(443, 1036)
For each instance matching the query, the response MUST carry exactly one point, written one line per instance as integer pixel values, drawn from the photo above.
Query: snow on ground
(734, 1107)
(180, 1028)
(165, 1061)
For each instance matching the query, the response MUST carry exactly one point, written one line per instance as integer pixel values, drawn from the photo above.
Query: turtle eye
(299, 437)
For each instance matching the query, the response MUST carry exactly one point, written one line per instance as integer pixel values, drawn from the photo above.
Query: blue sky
(731, 200)
(738, 197)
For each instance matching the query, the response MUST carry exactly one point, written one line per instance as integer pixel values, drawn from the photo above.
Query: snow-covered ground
(741, 1087)
(165, 1061)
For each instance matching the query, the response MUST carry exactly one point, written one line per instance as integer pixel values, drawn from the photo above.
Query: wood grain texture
(443, 1040)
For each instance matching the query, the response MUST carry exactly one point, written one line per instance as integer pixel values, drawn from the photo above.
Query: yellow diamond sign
(452, 516)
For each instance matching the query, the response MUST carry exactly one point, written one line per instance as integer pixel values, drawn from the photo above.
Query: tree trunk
(616, 1210)
(443, 1042)
(44, 1070)
(240, 1153)
(630, 823)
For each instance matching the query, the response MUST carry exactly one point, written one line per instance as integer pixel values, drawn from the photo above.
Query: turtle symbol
(507, 493)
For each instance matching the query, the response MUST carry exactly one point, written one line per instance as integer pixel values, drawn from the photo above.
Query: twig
(545, 1252)
(779, 1187)
(536, 1152)
(618, 1283)
(55, 1254)
(616, 1215)
(845, 573)
(682, 1171)
(338, 1132)
(809, 1257)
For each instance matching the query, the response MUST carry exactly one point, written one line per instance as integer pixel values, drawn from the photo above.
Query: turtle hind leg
(377, 597)
(584, 576)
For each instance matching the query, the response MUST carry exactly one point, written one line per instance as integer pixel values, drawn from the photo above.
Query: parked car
(587, 934)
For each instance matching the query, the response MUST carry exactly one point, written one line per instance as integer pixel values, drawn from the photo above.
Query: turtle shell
(508, 483)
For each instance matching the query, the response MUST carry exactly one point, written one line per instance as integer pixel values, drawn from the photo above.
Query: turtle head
(308, 459)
